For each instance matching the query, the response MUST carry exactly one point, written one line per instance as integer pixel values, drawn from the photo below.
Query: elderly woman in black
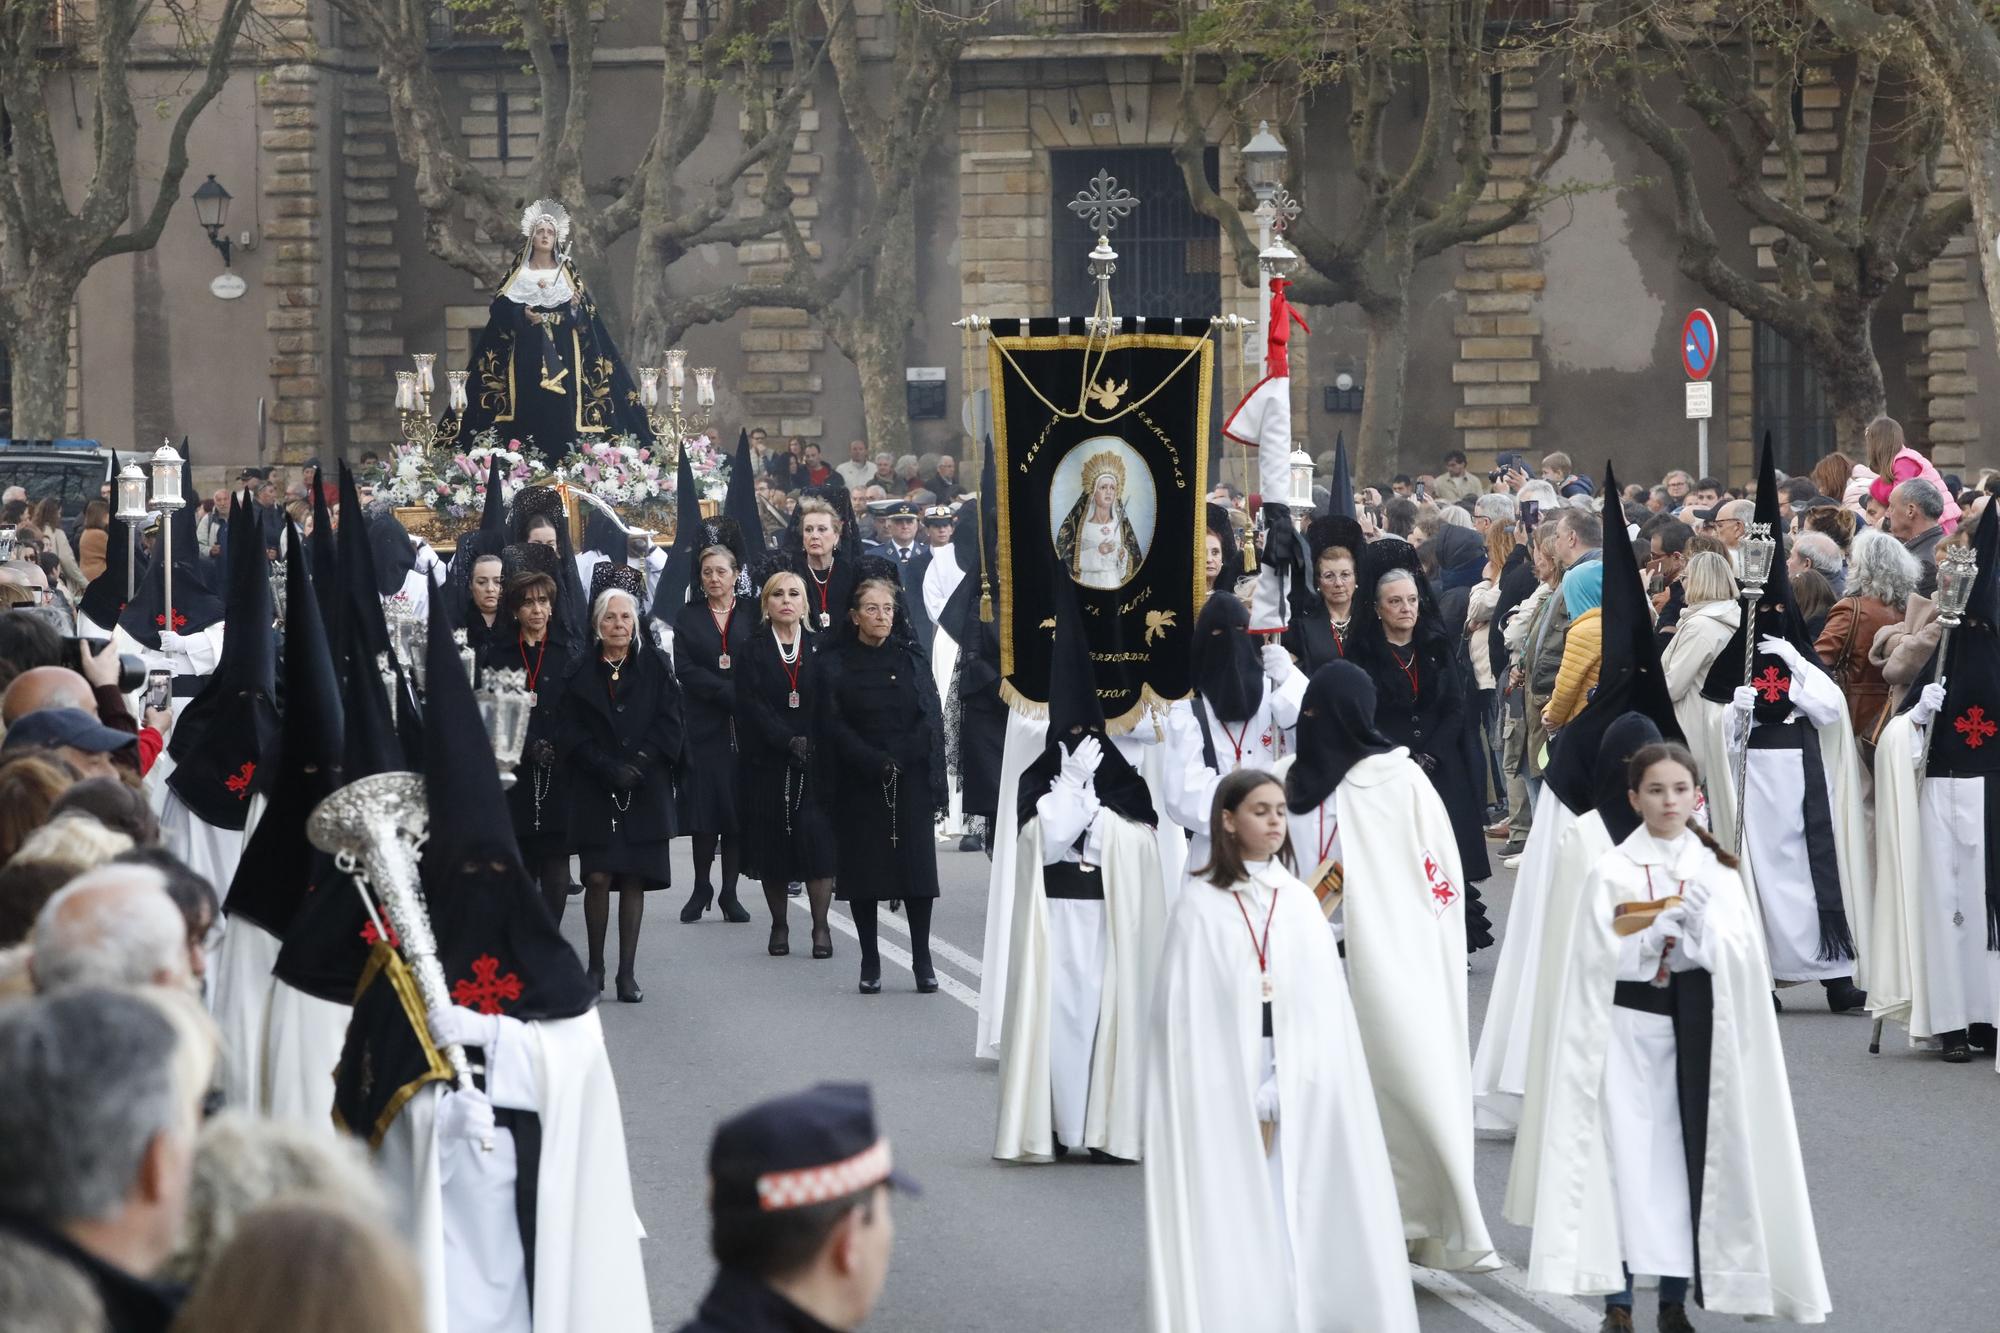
(623, 739)
(709, 638)
(882, 754)
(1424, 699)
(537, 801)
(779, 693)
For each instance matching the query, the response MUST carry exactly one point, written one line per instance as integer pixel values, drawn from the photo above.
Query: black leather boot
(1957, 1050)
(733, 911)
(697, 904)
(1842, 995)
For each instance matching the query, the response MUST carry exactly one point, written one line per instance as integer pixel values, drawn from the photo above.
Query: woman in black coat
(623, 741)
(779, 694)
(538, 801)
(1424, 701)
(709, 638)
(882, 753)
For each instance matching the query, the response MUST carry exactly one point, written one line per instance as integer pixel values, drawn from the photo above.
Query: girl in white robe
(1670, 1146)
(1262, 1141)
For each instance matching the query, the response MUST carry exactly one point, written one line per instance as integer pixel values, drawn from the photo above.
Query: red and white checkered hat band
(822, 1184)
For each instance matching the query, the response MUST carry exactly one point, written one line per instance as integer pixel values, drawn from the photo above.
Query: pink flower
(513, 444)
(590, 473)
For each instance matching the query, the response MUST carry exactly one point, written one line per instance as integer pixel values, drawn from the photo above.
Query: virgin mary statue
(1096, 542)
(545, 370)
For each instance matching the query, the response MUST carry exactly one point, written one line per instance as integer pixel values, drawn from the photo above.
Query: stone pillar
(289, 96)
(1499, 329)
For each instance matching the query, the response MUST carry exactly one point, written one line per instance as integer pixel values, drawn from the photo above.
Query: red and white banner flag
(1263, 421)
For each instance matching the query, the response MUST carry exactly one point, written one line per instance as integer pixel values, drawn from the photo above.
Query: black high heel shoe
(871, 985)
(822, 942)
(781, 940)
(733, 911)
(596, 974)
(697, 904)
(927, 985)
(628, 990)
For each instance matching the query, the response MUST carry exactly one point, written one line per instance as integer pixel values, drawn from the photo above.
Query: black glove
(1426, 762)
(543, 752)
(630, 778)
(801, 748)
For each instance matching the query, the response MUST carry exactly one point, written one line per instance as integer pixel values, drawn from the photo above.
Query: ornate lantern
(505, 701)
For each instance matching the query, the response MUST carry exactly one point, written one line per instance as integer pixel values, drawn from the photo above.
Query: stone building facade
(1559, 332)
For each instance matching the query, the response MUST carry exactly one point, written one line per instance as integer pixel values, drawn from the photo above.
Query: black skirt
(710, 782)
(783, 803)
(881, 709)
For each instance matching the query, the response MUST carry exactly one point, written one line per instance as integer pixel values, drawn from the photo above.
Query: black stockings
(704, 856)
(918, 912)
(597, 918)
(552, 874)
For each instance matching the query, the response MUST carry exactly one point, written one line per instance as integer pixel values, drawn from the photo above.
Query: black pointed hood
(196, 603)
(1340, 490)
(1076, 711)
(103, 600)
(278, 867)
(739, 502)
(1964, 741)
(679, 574)
(225, 739)
(1776, 616)
(1629, 680)
(323, 553)
(1336, 732)
(500, 949)
(1227, 672)
(1610, 791)
(389, 546)
(493, 515)
(367, 630)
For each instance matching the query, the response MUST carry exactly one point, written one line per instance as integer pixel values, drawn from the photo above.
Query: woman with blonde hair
(1705, 628)
(778, 702)
(359, 1278)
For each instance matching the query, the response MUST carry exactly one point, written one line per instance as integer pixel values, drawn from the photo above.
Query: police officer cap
(809, 1148)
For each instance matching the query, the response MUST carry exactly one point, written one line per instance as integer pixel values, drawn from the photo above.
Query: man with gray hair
(112, 926)
(1818, 552)
(1916, 519)
(97, 1143)
(1493, 507)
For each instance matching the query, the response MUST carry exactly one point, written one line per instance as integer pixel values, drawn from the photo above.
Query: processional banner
(1100, 451)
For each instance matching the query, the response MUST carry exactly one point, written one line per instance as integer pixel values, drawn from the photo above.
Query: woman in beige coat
(1703, 631)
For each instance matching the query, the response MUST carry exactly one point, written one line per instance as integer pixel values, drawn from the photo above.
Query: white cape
(1758, 1249)
(1134, 918)
(239, 996)
(1025, 740)
(1500, 1063)
(1405, 915)
(1215, 1243)
(303, 1035)
(588, 1273)
(1581, 844)
(1708, 739)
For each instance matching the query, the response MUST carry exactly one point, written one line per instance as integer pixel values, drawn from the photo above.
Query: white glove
(1277, 663)
(466, 1114)
(1928, 705)
(1695, 901)
(1783, 650)
(171, 642)
(1744, 699)
(1081, 761)
(1669, 924)
(1267, 1100)
(455, 1025)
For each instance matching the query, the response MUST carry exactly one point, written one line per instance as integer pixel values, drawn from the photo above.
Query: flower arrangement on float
(622, 470)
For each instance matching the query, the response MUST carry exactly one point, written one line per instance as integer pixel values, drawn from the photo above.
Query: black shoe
(1104, 1158)
(1777, 1003)
(1957, 1050)
(596, 974)
(971, 843)
(781, 939)
(794, 889)
(1843, 995)
(822, 942)
(575, 889)
(628, 990)
(1673, 1319)
(1981, 1035)
(733, 911)
(927, 985)
(871, 986)
(697, 903)
(1062, 1149)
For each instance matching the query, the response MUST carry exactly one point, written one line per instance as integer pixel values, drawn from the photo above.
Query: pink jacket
(1909, 464)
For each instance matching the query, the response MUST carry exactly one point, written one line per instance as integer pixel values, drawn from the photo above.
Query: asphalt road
(1900, 1149)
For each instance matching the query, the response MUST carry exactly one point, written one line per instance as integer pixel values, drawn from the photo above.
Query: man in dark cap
(799, 1200)
(74, 735)
(898, 520)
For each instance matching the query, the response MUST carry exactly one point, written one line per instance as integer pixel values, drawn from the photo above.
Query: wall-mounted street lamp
(211, 209)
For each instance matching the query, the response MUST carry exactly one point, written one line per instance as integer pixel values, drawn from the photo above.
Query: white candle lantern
(649, 387)
(676, 369)
(425, 361)
(704, 386)
(456, 379)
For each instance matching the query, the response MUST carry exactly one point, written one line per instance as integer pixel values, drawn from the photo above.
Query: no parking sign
(1698, 344)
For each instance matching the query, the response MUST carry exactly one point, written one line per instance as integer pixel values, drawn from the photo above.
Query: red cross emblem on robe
(1974, 726)
(1443, 893)
(1772, 685)
(240, 782)
(486, 988)
(180, 621)
(372, 936)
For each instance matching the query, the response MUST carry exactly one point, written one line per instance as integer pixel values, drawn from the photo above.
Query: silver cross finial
(1284, 209)
(1105, 204)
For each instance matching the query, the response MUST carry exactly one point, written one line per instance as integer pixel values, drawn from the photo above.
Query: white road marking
(1474, 1305)
(1572, 1312)
(947, 983)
